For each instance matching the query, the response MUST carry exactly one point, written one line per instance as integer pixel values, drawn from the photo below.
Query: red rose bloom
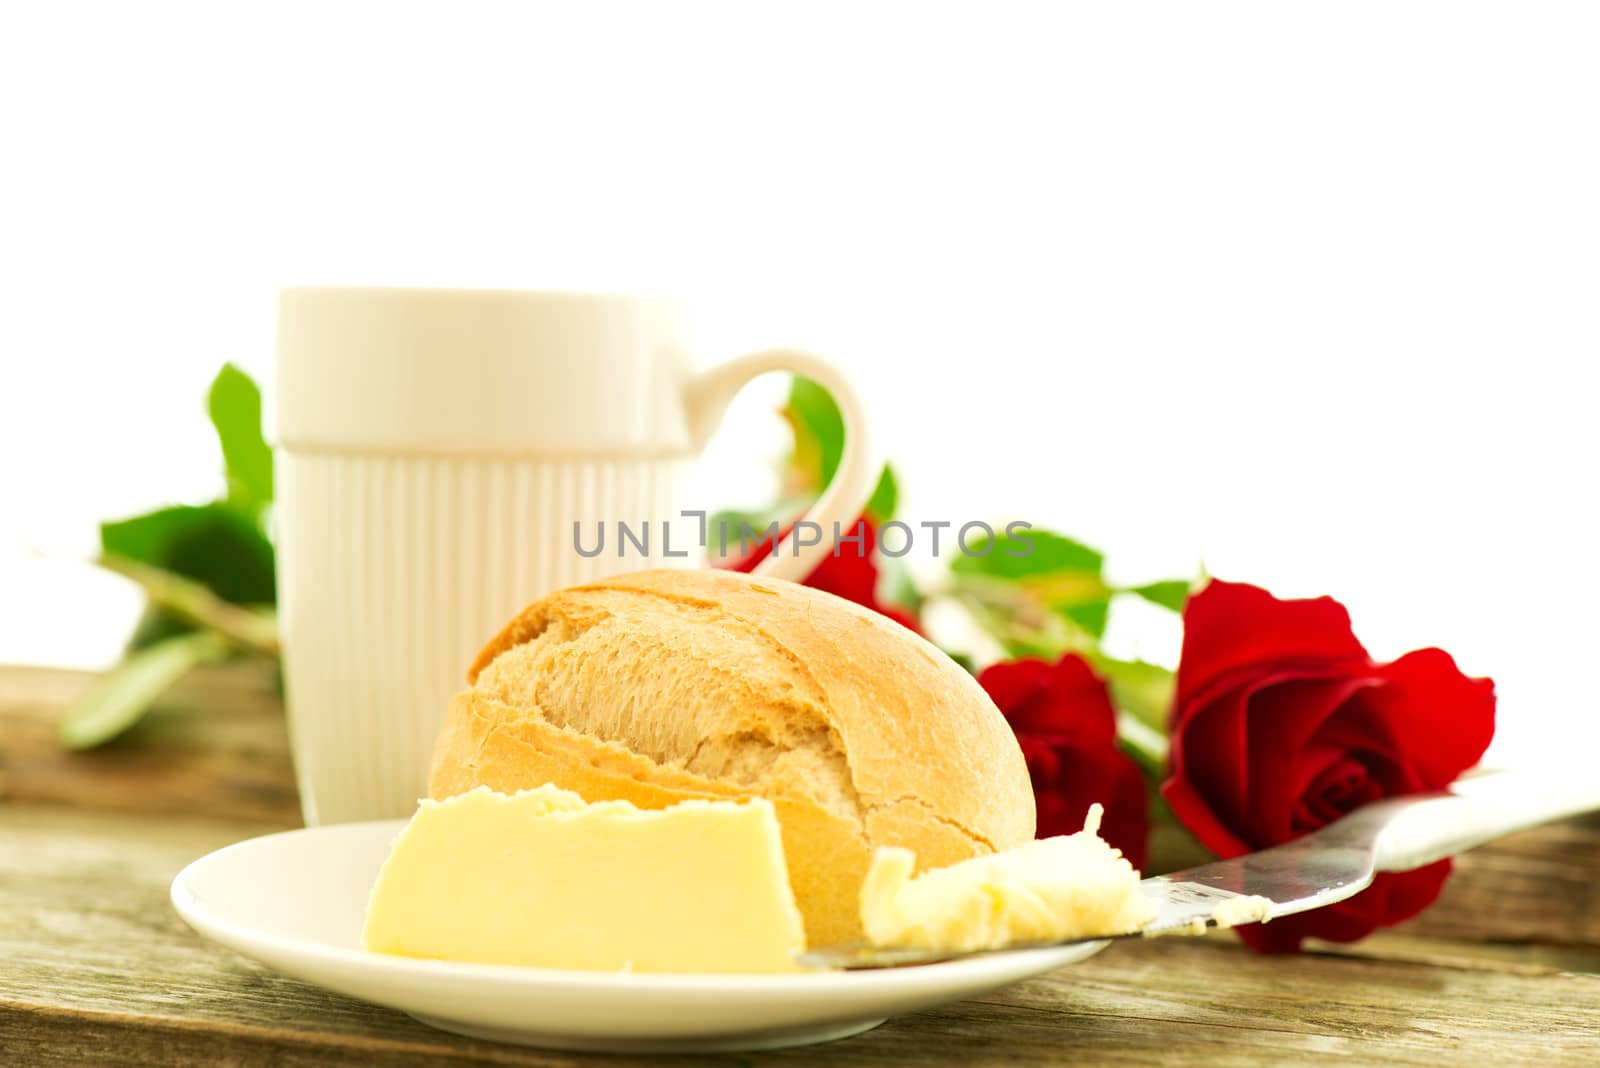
(1067, 727)
(1282, 723)
(851, 574)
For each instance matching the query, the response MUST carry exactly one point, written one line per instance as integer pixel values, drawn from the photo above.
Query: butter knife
(1317, 869)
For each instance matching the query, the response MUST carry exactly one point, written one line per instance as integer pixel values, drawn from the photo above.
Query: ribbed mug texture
(395, 569)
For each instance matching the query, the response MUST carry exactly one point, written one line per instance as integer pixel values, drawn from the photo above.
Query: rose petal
(1390, 899)
(1335, 783)
(1064, 702)
(1280, 721)
(1412, 891)
(1358, 726)
(1066, 726)
(1067, 781)
(1075, 683)
(1207, 758)
(1441, 719)
(1043, 760)
(1233, 627)
(1195, 813)
(1011, 683)
(1126, 824)
(1360, 731)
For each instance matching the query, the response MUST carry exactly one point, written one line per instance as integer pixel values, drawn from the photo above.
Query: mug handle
(847, 493)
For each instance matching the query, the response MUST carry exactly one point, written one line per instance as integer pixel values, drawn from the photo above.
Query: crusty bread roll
(660, 686)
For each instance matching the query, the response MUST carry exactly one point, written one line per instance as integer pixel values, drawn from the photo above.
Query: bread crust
(660, 686)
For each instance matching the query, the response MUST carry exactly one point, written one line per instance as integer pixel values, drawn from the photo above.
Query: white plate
(295, 901)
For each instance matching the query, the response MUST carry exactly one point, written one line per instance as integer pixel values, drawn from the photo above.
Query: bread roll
(660, 686)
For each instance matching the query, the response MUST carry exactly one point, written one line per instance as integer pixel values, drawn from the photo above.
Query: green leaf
(965, 660)
(191, 605)
(1090, 615)
(1021, 625)
(757, 520)
(729, 525)
(235, 407)
(1046, 574)
(121, 697)
(1147, 747)
(886, 498)
(1141, 690)
(1028, 554)
(818, 427)
(1173, 593)
(212, 544)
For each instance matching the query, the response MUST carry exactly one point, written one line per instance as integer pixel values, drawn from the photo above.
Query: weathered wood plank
(96, 963)
(1517, 958)
(92, 946)
(96, 968)
(46, 1036)
(1541, 885)
(215, 743)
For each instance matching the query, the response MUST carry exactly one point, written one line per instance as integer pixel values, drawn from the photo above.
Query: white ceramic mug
(437, 448)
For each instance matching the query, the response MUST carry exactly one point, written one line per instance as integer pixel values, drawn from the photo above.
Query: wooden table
(95, 968)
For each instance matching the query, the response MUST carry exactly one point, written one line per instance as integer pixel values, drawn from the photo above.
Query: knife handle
(1480, 808)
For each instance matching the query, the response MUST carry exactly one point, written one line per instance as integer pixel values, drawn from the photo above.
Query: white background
(1309, 293)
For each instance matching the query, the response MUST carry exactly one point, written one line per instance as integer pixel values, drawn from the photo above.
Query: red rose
(1067, 727)
(852, 573)
(1282, 723)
